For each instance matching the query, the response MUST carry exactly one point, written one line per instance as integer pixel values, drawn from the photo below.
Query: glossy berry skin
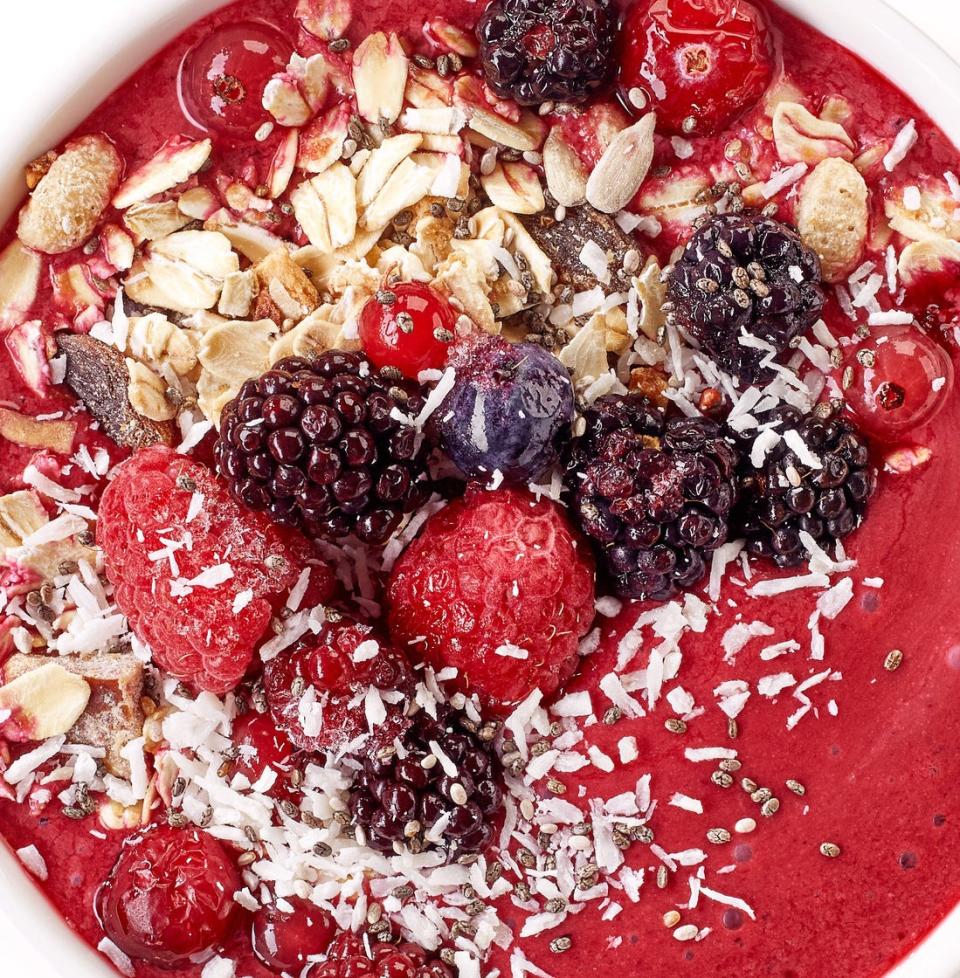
(901, 380)
(510, 410)
(222, 77)
(339, 676)
(348, 957)
(509, 571)
(700, 63)
(283, 939)
(409, 327)
(169, 897)
(261, 745)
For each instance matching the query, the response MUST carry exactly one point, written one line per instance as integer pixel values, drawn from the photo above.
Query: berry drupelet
(443, 791)
(745, 274)
(536, 51)
(817, 479)
(653, 494)
(352, 955)
(316, 444)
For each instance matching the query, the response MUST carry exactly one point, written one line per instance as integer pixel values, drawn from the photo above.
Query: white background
(46, 37)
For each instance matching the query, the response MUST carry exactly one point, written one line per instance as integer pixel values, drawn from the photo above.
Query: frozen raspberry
(409, 327)
(318, 691)
(169, 897)
(198, 576)
(499, 586)
(509, 411)
(699, 63)
(284, 937)
(350, 956)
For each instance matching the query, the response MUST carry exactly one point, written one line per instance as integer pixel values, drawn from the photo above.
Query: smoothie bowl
(477, 498)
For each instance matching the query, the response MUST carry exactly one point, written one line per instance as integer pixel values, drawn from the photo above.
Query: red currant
(411, 332)
(901, 380)
(699, 63)
(283, 939)
(169, 897)
(222, 77)
(261, 745)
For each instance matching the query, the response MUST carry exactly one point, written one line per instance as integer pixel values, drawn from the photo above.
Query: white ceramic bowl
(118, 37)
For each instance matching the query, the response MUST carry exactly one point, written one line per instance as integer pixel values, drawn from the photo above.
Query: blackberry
(315, 444)
(786, 496)
(536, 51)
(409, 798)
(654, 494)
(745, 273)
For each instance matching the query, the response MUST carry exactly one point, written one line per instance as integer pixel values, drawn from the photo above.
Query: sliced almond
(932, 257)
(621, 170)
(118, 247)
(326, 208)
(198, 203)
(73, 290)
(321, 143)
(380, 68)
(44, 703)
(207, 251)
(19, 280)
(251, 241)
(151, 220)
(69, 201)
(440, 120)
(451, 38)
(427, 90)
(284, 101)
(314, 77)
(24, 430)
(566, 175)
(146, 391)
(174, 163)
(282, 164)
(327, 20)
(448, 145)
(832, 216)
(501, 131)
(937, 217)
(239, 291)
(315, 335)
(381, 164)
(585, 356)
(153, 339)
(26, 346)
(409, 183)
(288, 285)
(230, 354)
(514, 187)
(21, 514)
(803, 138)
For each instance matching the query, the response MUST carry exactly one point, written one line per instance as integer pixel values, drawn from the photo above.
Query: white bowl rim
(871, 28)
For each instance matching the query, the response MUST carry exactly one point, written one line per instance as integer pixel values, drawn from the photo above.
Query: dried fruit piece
(566, 175)
(514, 187)
(19, 280)
(380, 77)
(44, 703)
(175, 162)
(623, 167)
(832, 216)
(98, 375)
(22, 429)
(69, 201)
(803, 138)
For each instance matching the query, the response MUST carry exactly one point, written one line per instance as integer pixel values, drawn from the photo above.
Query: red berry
(412, 333)
(901, 380)
(156, 539)
(705, 60)
(495, 570)
(260, 746)
(317, 691)
(222, 77)
(283, 939)
(169, 897)
(348, 957)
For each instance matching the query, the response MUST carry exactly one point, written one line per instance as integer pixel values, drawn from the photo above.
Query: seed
(560, 944)
(385, 297)
(556, 787)
(866, 358)
(721, 779)
(718, 837)
(748, 785)
(557, 905)
(893, 660)
(689, 124)
(708, 286)
(761, 796)
(207, 817)
(322, 849)
(631, 261)
(526, 858)
(846, 378)
(422, 61)
(671, 918)
(246, 859)
(612, 716)
(643, 833)
(412, 828)
(741, 298)
(745, 826)
(488, 162)
(637, 98)
(340, 44)
(770, 807)
(175, 819)
(675, 726)
(403, 892)
(374, 913)
(688, 932)
(662, 877)
(458, 794)
(829, 849)
(440, 334)
(730, 764)
(733, 729)
(740, 277)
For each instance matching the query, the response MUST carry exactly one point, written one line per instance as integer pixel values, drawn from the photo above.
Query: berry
(284, 939)
(787, 496)
(165, 559)
(398, 799)
(350, 956)
(317, 690)
(260, 745)
(700, 63)
(315, 444)
(499, 586)
(409, 327)
(169, 897)
(901, 380)
(222, 77)
(536, 51)
(654, 494)
(744, 273)
(510, 409)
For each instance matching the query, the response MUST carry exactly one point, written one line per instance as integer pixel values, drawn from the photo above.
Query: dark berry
(745, 276)
(699, 64)
(536, 51)
(654, 494)
(510, 409)
(310, 442)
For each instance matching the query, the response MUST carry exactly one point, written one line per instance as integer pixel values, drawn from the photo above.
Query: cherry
(411, 331)
(283, 939)
(261, 745)
(901, 380)
(222, 77)
(169, 896)
(700, 63)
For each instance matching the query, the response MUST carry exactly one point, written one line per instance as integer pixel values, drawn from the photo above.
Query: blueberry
(510, 410)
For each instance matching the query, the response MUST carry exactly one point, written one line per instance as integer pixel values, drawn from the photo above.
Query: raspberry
(169, 897)
(284, 939)
(350, 956)
(409, 327)
(317, 692)
(700, 63)
(499, 586)
(261, 746)
(154, 543)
